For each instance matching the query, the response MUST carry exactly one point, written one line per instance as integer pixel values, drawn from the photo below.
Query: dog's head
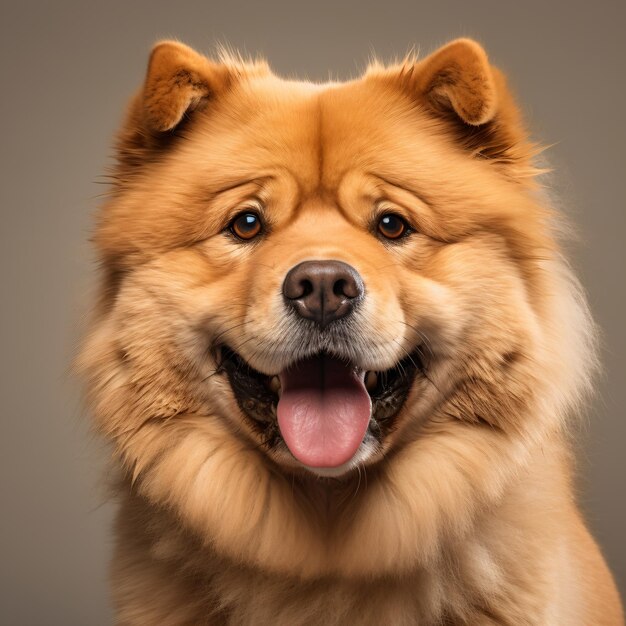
(311, 279)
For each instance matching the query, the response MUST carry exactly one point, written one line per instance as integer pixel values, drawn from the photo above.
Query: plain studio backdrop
(68, 69)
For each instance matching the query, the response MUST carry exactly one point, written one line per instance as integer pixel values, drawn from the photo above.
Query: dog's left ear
(470, 100)
(458, 77)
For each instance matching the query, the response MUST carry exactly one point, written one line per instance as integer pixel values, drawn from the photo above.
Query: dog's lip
(224, 353)
(257, 394)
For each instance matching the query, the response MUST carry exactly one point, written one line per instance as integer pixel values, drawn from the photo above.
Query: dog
(338, 354)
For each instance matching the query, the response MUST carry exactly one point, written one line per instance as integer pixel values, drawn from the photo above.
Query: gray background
(67, 71)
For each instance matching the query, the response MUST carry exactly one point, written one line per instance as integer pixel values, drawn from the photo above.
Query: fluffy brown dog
(337, 354)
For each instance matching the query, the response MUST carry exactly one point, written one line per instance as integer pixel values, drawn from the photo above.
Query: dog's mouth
(321, 407)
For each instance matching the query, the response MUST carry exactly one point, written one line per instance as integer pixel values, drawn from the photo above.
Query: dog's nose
(323, 291)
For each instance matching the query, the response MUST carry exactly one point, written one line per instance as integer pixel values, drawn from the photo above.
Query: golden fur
(465, 515)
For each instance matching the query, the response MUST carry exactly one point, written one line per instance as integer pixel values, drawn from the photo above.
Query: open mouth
(321, 407)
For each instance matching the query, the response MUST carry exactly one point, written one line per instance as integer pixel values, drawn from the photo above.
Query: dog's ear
(470, 100)
(178, 81)
(458, 77)
(179, 85)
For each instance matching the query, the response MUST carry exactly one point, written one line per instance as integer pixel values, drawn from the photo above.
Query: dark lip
(258, 402)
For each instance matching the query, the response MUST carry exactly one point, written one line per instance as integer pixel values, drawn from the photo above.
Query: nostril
(339, 288)
(346, 288)
(306, 288)
(297, 287)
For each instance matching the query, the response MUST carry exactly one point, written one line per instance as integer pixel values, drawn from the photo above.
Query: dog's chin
(322, 414)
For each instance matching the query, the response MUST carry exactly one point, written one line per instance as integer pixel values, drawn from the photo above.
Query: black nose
(323, 291)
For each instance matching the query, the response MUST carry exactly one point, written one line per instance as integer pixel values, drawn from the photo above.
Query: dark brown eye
(392, 226)
(246, 226)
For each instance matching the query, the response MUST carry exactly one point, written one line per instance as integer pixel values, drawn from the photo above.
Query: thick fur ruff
(462, 510)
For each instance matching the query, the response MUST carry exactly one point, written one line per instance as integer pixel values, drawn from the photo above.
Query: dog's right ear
(178, 82)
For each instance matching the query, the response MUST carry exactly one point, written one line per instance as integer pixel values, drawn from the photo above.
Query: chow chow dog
(338, 354)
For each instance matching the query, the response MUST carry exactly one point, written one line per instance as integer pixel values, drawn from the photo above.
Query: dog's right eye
(246, 226)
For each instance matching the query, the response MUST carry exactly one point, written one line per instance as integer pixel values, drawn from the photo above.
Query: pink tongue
(323, 412)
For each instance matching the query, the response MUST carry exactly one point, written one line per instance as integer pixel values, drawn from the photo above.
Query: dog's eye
(392, 226)
(246, 226)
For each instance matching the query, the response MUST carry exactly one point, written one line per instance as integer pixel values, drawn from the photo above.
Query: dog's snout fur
(323, 291)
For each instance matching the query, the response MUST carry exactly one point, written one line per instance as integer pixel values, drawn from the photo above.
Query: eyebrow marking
(417, 195)
(258, 180)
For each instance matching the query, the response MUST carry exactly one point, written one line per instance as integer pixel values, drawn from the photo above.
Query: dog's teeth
(371, 380)
(275, 384)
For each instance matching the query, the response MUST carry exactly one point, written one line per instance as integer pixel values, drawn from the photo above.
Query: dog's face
(319, 278)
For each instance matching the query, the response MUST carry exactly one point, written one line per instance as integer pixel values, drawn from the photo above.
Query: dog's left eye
(246, 226)
(392, 226)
